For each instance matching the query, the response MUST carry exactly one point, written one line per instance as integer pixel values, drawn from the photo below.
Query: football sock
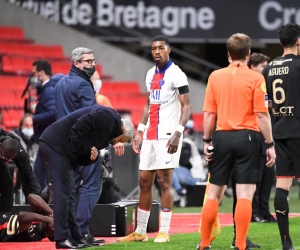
(142, 220)
(242, 217)
(208, 218)
(165, 220)
(281, 206)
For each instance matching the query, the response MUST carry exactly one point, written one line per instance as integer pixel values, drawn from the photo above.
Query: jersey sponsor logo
(263, 87)
(283, 111)
(280, 62)
(155, 94)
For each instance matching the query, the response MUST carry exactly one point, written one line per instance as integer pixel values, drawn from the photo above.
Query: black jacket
(23, 164)
(74, 135)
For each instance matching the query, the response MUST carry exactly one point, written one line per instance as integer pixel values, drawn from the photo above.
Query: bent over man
(71, 140)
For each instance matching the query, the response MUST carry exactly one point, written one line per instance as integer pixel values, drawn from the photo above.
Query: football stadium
(146, 124)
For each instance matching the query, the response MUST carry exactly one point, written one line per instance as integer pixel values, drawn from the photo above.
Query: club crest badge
(161, 82)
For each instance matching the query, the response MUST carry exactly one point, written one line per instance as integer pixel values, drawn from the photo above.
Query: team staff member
(260, 203)
(239, 96)
(45, 110)
(73, 92)
(282, 77)
(11, 149)
(71, 140)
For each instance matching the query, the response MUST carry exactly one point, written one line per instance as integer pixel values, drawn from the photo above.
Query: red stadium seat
(120, 87)
(61, 67)
(18, 54)
(11, 118)
(11, 32)
(32, 50)
(198, 122)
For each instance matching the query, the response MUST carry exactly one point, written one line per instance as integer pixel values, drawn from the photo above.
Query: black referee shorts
(288, 158)
(237, 152)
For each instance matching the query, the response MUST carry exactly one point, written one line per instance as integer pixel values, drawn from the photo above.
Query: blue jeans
(41, 171)
(182, 175)
(90, 192)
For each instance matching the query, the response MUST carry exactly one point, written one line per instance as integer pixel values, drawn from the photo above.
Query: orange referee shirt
(236, 94)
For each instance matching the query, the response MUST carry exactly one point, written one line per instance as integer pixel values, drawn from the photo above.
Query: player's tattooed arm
(185, 116)
(186, 108)
(145, 116)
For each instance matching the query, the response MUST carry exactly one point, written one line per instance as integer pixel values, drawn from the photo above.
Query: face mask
(89, 71)
(189, 124)
(28, 132)
(35, 82)
(97, 85)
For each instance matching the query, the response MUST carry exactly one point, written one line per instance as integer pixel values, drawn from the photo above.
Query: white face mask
(97, 85)
(28, 132)
(35, 82)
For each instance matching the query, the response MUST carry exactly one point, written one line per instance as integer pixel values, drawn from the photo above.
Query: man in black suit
(76, 139)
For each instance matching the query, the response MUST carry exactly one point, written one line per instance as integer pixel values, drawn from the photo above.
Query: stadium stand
(17, 54)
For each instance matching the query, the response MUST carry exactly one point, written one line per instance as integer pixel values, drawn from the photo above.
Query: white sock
(142, 221)
(165, 221)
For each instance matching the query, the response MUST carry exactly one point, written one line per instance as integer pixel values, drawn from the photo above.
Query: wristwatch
(271, 144)
(207, 140)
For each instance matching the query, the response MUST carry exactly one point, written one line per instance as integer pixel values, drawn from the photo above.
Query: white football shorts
(154, 155)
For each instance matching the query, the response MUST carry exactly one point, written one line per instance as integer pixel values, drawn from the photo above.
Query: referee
(239, 96)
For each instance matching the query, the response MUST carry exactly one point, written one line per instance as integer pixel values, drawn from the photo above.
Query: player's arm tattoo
(145, 116)
(186, 108)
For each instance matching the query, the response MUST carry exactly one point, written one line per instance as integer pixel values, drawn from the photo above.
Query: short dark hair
(11, 145)
(43, 65)
(288, 34)
(257, 58)
(238, 46)
(161, 38)
(24, 117)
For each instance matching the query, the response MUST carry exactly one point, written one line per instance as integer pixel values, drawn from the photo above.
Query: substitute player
(238, 94)
(164, 118)
(282, 77)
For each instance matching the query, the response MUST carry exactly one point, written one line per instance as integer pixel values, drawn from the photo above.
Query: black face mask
(89, 71)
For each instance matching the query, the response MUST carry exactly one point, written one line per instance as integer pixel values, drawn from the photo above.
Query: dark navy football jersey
(10, 231)
(282, 77)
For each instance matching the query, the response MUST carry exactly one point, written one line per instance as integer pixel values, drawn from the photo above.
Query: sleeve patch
(263, 87)
(266, 101)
